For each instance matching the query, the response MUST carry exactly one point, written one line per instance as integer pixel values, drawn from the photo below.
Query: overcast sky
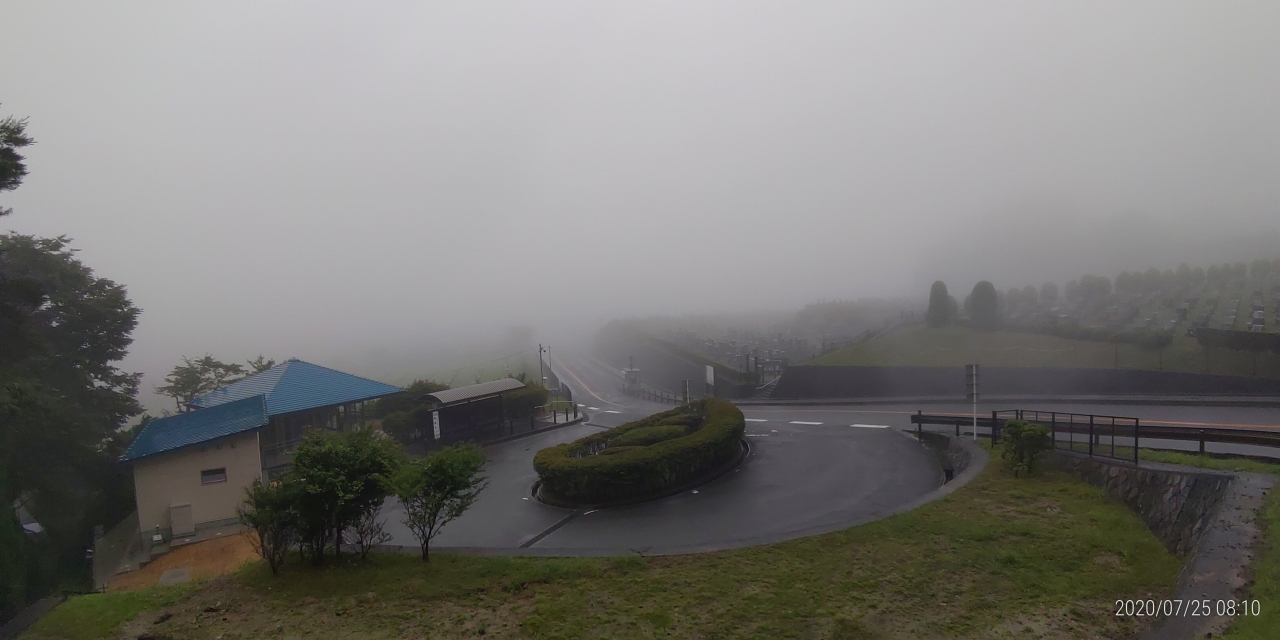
(319, 179)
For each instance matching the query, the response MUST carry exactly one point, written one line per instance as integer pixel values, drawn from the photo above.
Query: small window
(213, 476)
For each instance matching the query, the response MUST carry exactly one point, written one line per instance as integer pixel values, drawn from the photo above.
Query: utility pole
(542, 377)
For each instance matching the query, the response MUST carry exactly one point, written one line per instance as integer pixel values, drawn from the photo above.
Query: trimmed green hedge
(614, 466)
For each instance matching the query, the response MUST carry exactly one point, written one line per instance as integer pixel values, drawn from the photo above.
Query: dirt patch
(226, 609)
(205, 559)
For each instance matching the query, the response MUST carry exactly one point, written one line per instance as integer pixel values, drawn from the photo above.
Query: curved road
(812, 468)
(803, 475)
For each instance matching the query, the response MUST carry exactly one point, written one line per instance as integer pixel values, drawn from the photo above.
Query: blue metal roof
(294, 385)
(184, 429)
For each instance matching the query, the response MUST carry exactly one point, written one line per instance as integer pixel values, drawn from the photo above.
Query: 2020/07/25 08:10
(1194, 608)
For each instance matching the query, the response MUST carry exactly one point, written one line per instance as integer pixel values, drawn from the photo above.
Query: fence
(645, 392)
(1098, 435)
(1100, 432)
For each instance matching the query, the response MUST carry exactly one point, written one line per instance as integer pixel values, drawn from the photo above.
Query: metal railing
(1100, 432)
(645, 392)
(1115, 437)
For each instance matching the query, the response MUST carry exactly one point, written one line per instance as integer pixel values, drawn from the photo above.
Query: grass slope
(1042, 557)
(922, 345)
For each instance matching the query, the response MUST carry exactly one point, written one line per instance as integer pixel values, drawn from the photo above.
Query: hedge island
(645, 459)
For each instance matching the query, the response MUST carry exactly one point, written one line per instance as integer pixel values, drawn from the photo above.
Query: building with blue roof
(191, 469)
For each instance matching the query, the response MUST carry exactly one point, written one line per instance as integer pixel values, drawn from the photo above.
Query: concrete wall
(805, 382)
(174, 478)
(1178, 505)
(953, 457)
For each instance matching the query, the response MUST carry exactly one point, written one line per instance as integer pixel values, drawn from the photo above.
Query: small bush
(603, 468)
(272, 521)
(1024, 442)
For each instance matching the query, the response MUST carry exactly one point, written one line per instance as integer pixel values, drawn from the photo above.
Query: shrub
(586, 471)
(336, 481)
(272, 521)
(1024, 442)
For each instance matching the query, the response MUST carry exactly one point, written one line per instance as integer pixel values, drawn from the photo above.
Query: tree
(984, 307)
(438, 488)
(407, 400)
(62, 401)
(260, 364)
(13, 166)
(269, 514)
(1098, 288)
(1049, 293)
(939, 312)
(1030, 296)
(339, 479)
(194, 378)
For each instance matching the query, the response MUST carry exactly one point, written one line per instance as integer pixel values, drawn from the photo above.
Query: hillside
(920, 345)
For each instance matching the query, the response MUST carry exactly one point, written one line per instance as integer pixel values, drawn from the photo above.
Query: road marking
(592, 408)
(871, 426)
(803, 422)
(756, 420)
(773, 431)
(757, 435)
(611, 411)
(575, 377)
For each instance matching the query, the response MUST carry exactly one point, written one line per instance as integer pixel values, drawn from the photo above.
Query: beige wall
(174, 478)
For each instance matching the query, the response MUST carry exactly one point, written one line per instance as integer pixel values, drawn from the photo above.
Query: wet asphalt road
(810, 467)
(798, 477)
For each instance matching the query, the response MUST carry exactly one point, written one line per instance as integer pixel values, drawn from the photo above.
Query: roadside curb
(977, 462)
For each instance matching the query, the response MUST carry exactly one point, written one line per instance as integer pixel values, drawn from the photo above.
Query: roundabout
(800, 478)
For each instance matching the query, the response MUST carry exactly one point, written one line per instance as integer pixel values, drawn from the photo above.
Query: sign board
(435, 423)
(971, 382)
(711, 375)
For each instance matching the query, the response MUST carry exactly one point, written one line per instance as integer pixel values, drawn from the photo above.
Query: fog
(362, 184)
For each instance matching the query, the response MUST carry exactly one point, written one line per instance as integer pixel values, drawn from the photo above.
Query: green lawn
(1040, 557)
(954, 346)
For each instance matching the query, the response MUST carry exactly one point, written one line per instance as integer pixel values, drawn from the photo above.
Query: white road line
(757, 435)
(592, 408)
(611, 411)
(871, 426)
(756, 420)
(803, 422)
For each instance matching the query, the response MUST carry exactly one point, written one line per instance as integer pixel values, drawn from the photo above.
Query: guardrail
(645, 392)
(1097, 435)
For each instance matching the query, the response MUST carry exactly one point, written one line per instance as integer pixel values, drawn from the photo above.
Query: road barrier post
(1136, 426)
(1090, 435)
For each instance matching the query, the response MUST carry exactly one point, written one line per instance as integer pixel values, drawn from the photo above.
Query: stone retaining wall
(952, 456)
(1177, 504)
